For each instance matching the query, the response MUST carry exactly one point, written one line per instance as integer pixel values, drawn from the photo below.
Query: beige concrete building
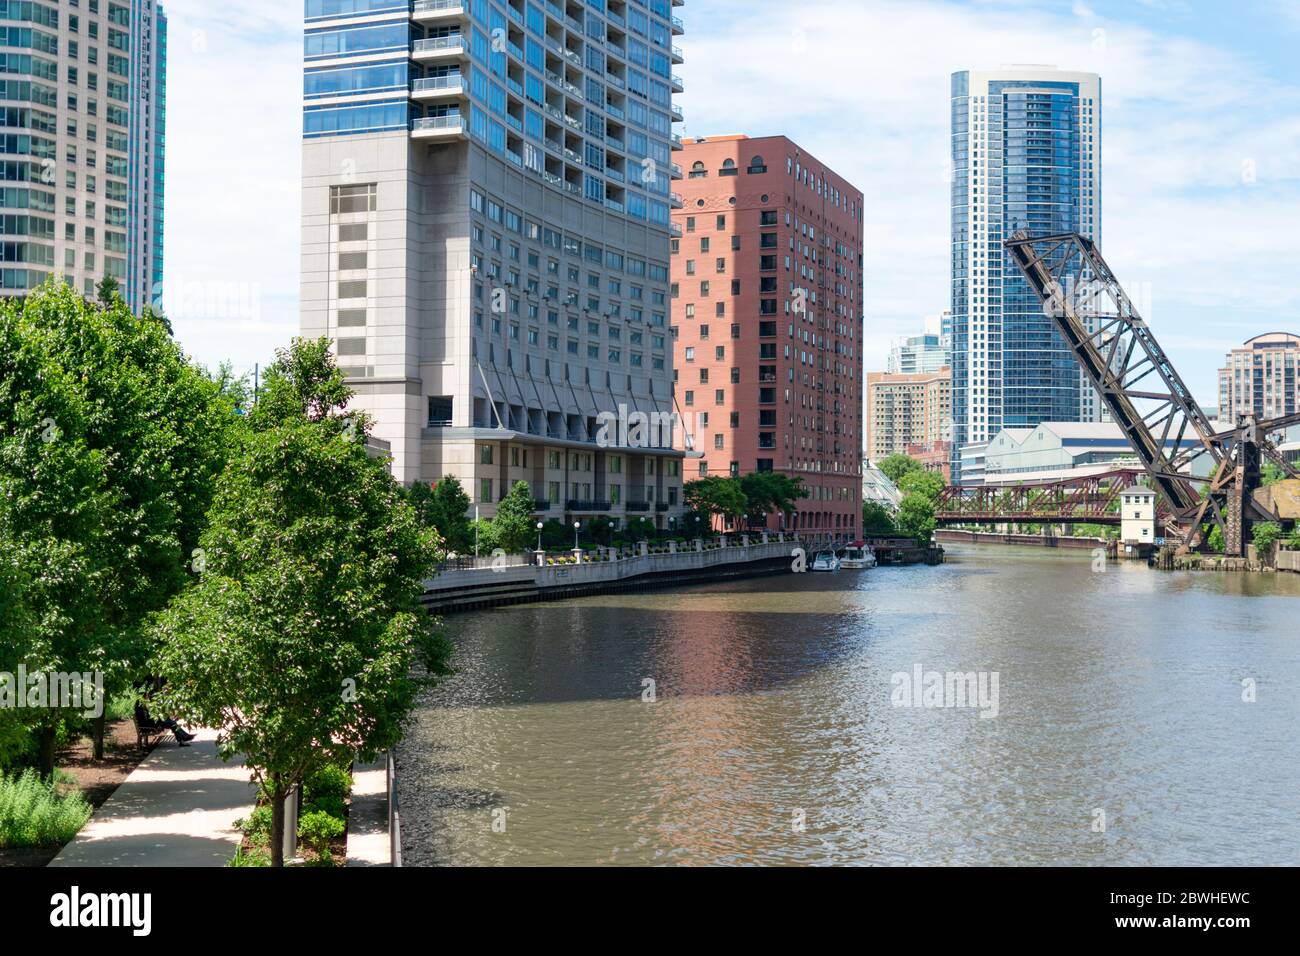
(486, 219)
(905, 410)
(1262, 378)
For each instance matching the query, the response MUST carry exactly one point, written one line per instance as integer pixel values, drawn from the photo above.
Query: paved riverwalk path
(177, 808)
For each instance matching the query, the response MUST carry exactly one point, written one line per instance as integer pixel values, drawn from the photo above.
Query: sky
(1200, 150)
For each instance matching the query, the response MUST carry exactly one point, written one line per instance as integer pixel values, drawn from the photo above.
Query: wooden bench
(147, 733)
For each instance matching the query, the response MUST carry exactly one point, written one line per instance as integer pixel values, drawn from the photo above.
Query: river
(1128, 717)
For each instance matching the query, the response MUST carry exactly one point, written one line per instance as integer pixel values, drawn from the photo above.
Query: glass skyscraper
(83, 109)
(486, 223)
(1026, 149)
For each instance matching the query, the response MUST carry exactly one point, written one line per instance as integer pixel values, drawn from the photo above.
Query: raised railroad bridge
(1090, 499)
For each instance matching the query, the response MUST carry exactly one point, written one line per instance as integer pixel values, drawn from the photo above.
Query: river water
(1136, 717)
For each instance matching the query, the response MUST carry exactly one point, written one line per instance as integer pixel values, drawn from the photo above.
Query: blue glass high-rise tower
(83, 106)
(1026, 150)
(487, 187)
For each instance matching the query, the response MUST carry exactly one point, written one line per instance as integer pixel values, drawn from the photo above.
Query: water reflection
(1119, 692)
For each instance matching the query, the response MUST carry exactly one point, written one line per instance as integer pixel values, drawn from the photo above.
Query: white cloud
(233, 171)
(1201, 150)
(1288, 11)
(1181, 120)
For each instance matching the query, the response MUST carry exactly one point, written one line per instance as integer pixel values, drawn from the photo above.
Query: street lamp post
(577, 526)
(539, 535)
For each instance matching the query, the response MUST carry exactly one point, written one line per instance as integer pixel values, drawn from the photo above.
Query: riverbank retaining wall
(1033, 540)
(524, 583)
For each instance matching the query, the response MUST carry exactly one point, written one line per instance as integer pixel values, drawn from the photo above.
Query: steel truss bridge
(1091, 499)
(1149, 401)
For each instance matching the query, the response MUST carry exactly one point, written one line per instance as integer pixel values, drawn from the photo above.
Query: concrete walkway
(368, 842)
(177, 808)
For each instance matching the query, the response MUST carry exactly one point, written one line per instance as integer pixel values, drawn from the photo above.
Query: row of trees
(743, 502)
(915, 515)
(258, 560)
(735, 502)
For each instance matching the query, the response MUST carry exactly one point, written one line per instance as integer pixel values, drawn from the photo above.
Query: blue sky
(1201, 149)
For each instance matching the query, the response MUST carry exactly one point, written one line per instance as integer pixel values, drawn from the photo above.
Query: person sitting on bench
(144, 720)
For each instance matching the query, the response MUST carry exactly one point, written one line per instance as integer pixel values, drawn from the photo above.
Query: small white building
(1138, 527)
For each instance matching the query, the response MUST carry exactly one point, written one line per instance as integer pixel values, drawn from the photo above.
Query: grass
(121, 707)
(34, 813)
(251, 858)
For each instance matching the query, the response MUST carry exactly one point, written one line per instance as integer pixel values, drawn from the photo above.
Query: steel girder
(1144, 393)
(1086, 500)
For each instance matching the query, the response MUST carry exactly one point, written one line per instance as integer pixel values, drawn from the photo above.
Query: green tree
(110, 444)
(1216, 541)
(717, 497)
(927, 484)
(876, 519)
(298, 639)
(556, 535)
(304, 383)
(641, 529)
(483, 536)
(514, 524)
(916, 518)
(1266, 535)
(896, 466)
(107, 292)
(768, 492)
(445, 508)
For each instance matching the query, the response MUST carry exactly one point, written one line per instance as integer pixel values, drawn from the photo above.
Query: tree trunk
(45, 739)
(98, 733)
(278, 796)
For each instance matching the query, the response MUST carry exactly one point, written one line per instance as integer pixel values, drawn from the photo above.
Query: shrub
(326, 790)
(257, 825)
(317, 829)
(121, 706)
(1266, 535)
(34, 813)
(252, 858)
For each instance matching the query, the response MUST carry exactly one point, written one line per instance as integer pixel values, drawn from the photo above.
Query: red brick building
(767, 320)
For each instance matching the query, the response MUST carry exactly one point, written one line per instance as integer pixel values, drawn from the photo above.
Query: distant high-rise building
(1026, 148)
(1262, 378)
(767, 320)
(907, 409)
(918, 354)
(486, 216)
(82, 156)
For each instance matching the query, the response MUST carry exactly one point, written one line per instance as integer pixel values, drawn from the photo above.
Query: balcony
(439, 11)
(438, 48)
(675, 170)
(574, 505)
(678, 116)
(678, 86)
(677, 55)
(661, 506)
(638, 506)
(675, 200)
(438, 87)
(676, 141)
(541, 505)
(439, 127)
(675, 230)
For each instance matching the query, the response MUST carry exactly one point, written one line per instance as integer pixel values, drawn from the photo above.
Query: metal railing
(452, 81)
(433, 44)
(394, 814)
(433, 6)
(453, 121)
